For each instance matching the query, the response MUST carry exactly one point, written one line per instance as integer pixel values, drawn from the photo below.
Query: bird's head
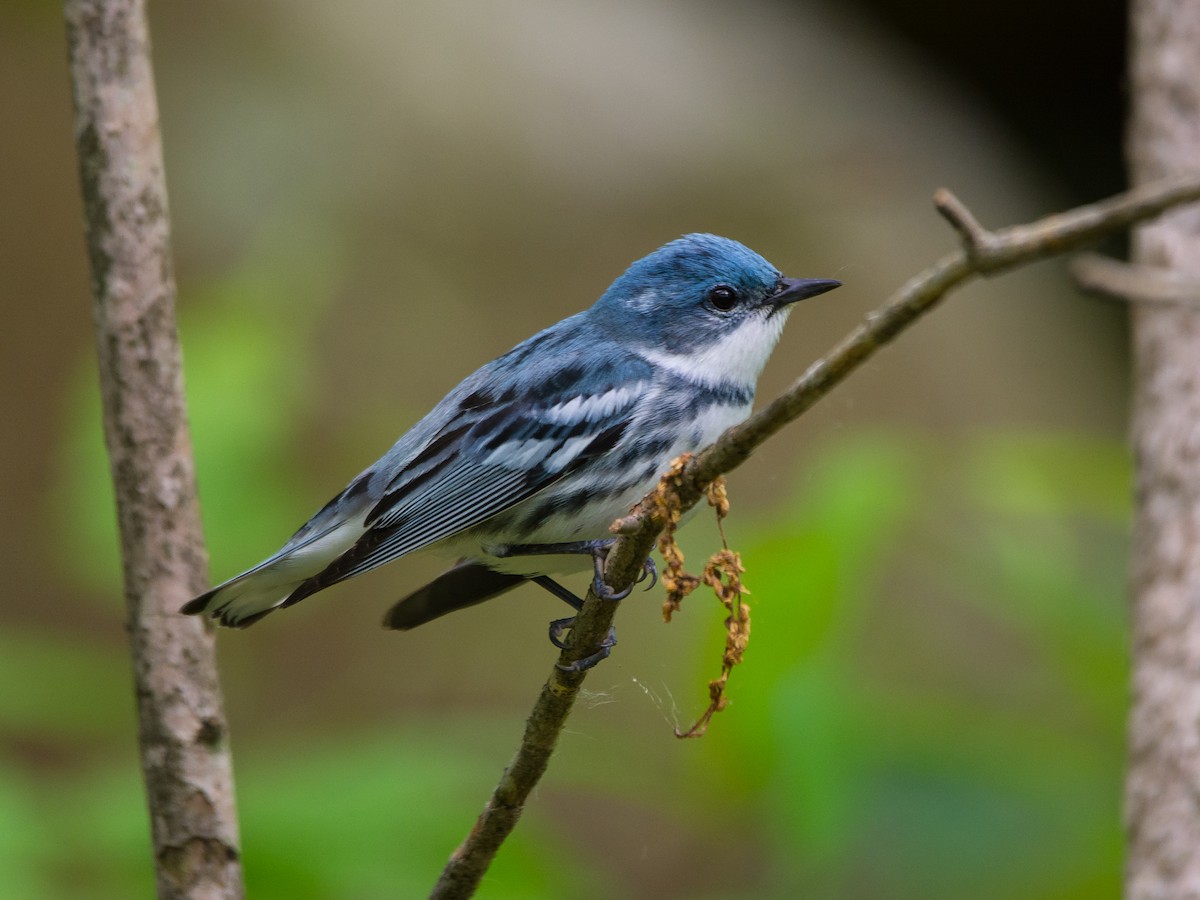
(705, 306)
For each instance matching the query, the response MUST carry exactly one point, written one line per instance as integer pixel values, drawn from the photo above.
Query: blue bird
(519, 471)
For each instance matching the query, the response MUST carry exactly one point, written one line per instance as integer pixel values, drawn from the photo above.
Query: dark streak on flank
(602, 443)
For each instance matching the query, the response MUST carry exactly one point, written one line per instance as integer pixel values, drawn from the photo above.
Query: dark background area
(1053, 71)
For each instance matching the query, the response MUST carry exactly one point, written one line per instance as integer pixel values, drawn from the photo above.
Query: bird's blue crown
(666, 299)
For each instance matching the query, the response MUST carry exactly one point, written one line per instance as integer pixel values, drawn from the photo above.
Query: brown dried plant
(722, 572)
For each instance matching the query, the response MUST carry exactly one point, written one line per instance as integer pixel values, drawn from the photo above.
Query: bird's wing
(496, 450)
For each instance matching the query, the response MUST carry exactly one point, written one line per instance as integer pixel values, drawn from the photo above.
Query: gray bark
(182, 729)
(1163, 783)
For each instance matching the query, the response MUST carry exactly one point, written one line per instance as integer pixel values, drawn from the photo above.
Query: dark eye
(723, 298)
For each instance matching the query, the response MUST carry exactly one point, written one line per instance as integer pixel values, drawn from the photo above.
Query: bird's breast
(583, 504)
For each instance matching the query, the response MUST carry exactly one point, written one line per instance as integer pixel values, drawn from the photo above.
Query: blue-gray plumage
(548, 444)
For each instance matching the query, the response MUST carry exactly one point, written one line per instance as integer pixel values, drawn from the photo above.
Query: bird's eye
(723, 298)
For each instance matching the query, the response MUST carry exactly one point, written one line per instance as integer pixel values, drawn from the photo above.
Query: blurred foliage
(931, 706)
(956, 732)
(247, 392)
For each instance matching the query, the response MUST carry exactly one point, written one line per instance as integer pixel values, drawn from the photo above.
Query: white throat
(736, 359)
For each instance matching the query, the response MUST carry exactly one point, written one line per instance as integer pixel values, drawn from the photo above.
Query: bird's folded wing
(481, 463)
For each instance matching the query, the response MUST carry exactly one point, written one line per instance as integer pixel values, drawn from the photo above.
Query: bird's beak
(793, 289)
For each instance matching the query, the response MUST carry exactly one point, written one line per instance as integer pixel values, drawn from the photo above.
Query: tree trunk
(1163, 785)
(186, 765)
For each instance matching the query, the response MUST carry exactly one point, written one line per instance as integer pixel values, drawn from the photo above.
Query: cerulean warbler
(528, 461)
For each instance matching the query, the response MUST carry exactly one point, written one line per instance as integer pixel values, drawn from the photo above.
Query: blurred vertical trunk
(1163, 784)
(185, 762)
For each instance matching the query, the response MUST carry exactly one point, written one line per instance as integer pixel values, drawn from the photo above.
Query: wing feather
(484, 460)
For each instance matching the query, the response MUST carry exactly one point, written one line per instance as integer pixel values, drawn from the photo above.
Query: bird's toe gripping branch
(598, 550)
(599, 553)
(560, 626)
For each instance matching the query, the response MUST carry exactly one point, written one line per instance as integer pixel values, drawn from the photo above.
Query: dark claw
(582, 665)
(557, 627)
(603, 591)
(648, 568)
(560, 626)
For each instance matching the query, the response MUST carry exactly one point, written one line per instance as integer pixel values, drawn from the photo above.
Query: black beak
(793, 289)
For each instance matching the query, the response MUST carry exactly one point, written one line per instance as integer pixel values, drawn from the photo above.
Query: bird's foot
(597, 549)
(559, 626)
(603, 591)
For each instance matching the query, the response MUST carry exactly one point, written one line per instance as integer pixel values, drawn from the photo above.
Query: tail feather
(466, 584)
(246, 598)
(242, 601)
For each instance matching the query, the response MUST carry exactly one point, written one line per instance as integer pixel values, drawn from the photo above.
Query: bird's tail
(246, 598)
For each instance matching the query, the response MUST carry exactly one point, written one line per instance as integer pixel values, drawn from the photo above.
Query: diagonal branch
(983, 253)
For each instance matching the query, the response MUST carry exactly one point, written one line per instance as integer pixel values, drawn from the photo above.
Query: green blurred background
(371, 199)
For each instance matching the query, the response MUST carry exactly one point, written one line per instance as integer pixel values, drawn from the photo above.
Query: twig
(1127, 281)
(185, 762)
(977, 241)
(984, 252)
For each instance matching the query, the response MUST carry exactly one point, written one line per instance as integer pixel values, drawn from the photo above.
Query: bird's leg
(597, 549)
(559, 626)
(558, 591)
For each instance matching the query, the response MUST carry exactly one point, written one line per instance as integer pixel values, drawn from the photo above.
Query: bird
(519, 471)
